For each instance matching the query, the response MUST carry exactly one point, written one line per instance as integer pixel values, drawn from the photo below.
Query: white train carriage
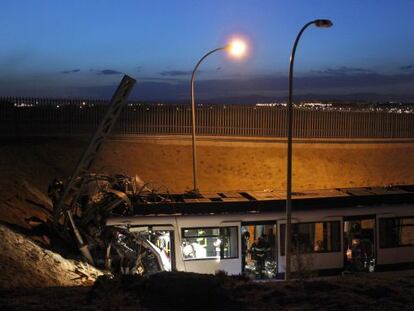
(221, 231)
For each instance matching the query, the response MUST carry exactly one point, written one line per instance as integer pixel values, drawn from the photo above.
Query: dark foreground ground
(188, 291)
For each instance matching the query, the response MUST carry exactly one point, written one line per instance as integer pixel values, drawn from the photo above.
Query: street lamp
(236, 48)
(323, 23)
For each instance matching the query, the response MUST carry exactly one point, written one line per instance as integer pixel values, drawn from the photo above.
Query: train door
(359, 243)
(259, 249)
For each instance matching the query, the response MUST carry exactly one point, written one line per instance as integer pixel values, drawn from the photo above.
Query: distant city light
(22, 105)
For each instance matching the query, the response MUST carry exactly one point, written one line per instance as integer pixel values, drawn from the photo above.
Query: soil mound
(23, 263)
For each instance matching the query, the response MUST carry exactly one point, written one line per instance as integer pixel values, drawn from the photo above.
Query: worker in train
(260, 252)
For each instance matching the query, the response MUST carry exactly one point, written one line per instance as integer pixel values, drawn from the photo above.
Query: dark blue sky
(79, 48)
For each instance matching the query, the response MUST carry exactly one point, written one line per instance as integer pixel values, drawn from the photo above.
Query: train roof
(274, 201)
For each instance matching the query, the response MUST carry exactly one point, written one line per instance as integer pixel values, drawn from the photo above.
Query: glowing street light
(322, 23)
(236, 48)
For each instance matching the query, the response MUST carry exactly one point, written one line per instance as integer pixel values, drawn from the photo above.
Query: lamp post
(323, 23)
(236, 48)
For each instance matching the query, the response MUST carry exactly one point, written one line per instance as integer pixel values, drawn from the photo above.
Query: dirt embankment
(260, 165)
(28, 165)
(26, 264)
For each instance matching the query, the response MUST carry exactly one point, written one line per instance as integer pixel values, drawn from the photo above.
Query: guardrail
(52, 117)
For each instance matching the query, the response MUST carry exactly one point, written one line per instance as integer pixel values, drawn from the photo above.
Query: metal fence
(39, 117)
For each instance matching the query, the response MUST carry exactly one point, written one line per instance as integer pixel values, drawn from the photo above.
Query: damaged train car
(113, 248)
(130, 228)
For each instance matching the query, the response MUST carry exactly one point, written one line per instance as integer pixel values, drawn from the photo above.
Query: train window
(210, 243)
(230, 244)
(316, 237)
(396, 232)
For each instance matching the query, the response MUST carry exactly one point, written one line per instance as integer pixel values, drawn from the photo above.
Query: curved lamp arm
(193, 116)
(322, 23)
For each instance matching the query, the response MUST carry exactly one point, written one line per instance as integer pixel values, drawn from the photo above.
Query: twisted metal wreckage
(83, 203)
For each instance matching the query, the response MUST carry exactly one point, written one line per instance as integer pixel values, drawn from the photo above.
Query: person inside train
(260, 251)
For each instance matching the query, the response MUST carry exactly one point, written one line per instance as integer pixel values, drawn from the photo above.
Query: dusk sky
(81, 48)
